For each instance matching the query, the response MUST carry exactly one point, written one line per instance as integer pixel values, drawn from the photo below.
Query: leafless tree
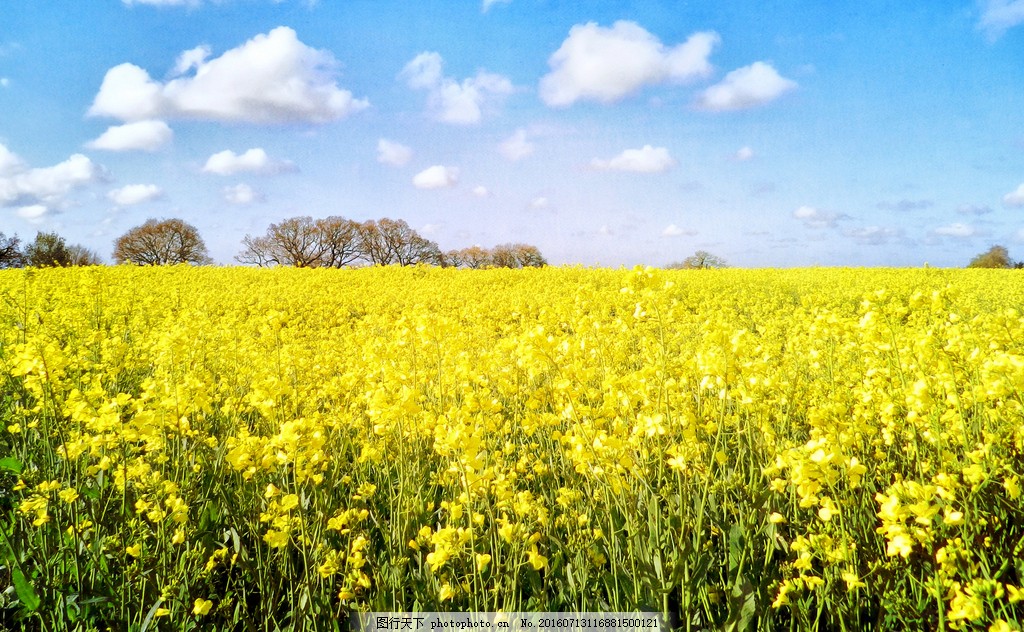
(10, 252)
(387, 241)
(303, 242)
(81, 256)
(517, 256)
(161, 242)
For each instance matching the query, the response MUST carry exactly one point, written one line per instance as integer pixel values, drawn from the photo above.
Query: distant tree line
(336, 242)
(47, 250)
(304, 242)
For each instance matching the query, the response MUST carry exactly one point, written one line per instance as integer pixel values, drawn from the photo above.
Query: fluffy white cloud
(34, 213)
(392, 153)
(481, 191)
(647, 159)
(516, 147)
(674, 231)
(241, 194)
(449, 100)
(132, 194)
(746, 87)
(956, 229)
(817, 218)
(436, 177)
(148, 135)
(1000, 15)
(272, 78)
(608, 64)
(47, 186)
(743, 154)
(1015, 199)
(255, 160)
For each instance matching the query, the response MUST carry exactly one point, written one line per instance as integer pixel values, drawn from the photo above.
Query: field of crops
(197, 448)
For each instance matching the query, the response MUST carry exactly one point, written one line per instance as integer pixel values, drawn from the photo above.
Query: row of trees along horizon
(304, 242)
(329, 242)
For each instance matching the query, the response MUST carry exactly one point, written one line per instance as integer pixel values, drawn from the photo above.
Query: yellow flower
(202, 607)
(537, 561)
(134, 550)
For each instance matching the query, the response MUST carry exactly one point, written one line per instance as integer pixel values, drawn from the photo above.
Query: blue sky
(611, 133)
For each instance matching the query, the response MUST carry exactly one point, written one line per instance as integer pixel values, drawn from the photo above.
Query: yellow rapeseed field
(215, 448)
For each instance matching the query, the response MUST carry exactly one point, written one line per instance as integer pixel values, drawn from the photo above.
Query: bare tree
(474, 257)
(387, 241)
(10, 253)
(340, 239)
(161, 242)
(291, 242)
(82, 256)
(700, 260)
(517, 256)
(303, 242)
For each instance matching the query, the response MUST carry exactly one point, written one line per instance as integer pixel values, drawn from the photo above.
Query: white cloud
(956, 229)
(451, 101)
(747, 87)
(481, 191)
(272, 78)
(674, 231)
(608, 64)
(516, 147)
(148, 135)
(34, 213)
(132, 194)
(4, 82)
(436, 177)
(48, 186)
(1000, 15)
(817, 218)
(487, 4)
(255, 160)
(193, 58)
(241, 195)
(10, 163)
(392, 153)
(871, 235)
(743, 154)
(539, 202)
(1014, 199)
(647, 159)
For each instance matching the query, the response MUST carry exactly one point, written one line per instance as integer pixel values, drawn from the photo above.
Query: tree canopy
(994, 257)
(700, 260)
(161, 242)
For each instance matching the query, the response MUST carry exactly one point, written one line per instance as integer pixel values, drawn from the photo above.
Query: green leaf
(12, 464)
(26, 593)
